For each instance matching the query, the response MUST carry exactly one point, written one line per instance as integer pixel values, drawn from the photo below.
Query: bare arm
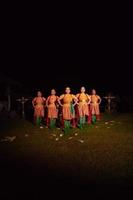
(47, 102)
(99, 100)
(33, 102)
(59, 100)
(89, 99)
(75, 100)
(77, 95)
(57, 103)
(44, 99)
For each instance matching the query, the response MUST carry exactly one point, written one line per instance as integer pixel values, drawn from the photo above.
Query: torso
(94, 98)
(82, 97)
(39, 100)
(52, 99)
(67, 98)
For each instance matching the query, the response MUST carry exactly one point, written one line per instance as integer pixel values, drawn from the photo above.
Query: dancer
(38, 104)
(94, 106)
(68, 113)
(83, 109)
(51, 104)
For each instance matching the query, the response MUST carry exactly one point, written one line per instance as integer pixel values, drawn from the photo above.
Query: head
(93, 92)
(39, 94)
(67, 90)
(53, 92)
(82, 89)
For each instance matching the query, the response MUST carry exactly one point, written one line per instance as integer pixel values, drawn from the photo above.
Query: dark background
(55, 52)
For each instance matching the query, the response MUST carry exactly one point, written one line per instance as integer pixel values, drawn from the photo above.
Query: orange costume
(94, 105)
(83, 100)
(39, 106)
(38, 103)
(52, 109)
(67, 111)
(83, 108)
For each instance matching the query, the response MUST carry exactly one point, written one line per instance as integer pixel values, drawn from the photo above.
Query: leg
(90, 115)
(38, 121)
(52, 123)
(80, 122)
(93, 119)
(84, 120)
(98, 117)
(47, 121)
(73, 123)
(66, 126)
(89, 119)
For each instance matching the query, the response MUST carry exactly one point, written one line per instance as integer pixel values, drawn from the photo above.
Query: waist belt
(83, 101)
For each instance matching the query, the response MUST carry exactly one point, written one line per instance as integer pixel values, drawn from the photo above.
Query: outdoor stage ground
(97, 160)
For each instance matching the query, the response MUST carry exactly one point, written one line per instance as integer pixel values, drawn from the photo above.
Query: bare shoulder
(48, 98)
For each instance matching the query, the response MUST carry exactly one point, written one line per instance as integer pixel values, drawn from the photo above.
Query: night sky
(53, 54)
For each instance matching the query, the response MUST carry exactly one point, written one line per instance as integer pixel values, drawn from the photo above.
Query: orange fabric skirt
(83, 109)
(94, 108)
(52, 111)
(67, 115)
(39, 111)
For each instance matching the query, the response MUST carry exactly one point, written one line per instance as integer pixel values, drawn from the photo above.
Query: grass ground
(100, 155)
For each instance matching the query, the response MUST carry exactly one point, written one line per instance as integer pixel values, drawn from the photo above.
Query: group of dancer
(69, 109)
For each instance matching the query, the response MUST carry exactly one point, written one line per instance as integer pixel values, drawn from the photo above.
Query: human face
(82, 89)
(53, 92)
(67, 90)
(94, 92)
(39, 94)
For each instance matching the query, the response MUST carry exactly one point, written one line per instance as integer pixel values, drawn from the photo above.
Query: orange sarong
(66, 110)
(83, 108)
(39, 106)
(52, 110)
(94, 106)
